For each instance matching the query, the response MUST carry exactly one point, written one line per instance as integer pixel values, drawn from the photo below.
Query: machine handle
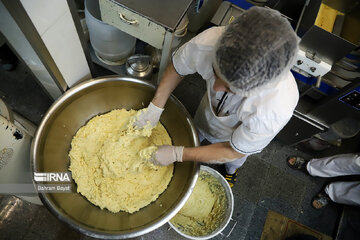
(232, 221)
(318, 81)
(127, 21)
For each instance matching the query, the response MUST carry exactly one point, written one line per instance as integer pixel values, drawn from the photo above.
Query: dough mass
(205, 209)
(107, 168)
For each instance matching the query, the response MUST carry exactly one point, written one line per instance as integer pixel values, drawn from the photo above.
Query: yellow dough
(205, 209)
(147, 153)
(106, 165)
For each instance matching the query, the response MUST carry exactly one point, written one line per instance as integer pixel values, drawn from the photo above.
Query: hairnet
(255, 49)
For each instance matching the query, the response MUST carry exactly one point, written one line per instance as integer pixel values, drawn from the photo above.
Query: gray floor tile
(164, 232)
(4, 199)
(282, 192)
(16, 217)
(324, 220)
(281, 206)
(250, 180)
(267, 153)
(239, 233)
(280, 156)
(243, 212)
(257, 223)
(276, 152)
(46, 226)
(26, 96)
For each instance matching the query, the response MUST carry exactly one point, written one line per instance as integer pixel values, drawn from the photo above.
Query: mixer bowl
(51, 146)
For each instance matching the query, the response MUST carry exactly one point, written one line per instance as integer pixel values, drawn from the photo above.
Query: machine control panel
(310, 64)
(352, 98)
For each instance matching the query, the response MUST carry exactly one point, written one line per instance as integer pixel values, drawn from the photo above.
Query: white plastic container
(108, 42)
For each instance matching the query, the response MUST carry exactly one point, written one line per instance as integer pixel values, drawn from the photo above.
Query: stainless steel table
(152, 21)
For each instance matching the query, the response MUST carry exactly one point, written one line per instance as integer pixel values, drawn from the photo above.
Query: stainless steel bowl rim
(230, 206)
(85, 230)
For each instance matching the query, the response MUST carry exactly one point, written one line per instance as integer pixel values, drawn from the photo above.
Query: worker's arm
(168, 83)
(214, 153)
(152, 113)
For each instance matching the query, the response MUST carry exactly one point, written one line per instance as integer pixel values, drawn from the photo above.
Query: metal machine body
(327, 71)
(16, 134)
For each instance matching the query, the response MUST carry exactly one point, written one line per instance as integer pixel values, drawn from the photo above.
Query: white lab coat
(334, 166)
(249, 123)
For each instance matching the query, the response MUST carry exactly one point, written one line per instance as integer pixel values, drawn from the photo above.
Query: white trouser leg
(232, 166)
(344, 192)
(338, 165)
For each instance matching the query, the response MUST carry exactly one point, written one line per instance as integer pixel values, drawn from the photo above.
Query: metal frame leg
(165, 54)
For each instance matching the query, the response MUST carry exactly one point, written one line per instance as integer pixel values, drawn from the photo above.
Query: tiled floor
(21, 92)
(264, 183)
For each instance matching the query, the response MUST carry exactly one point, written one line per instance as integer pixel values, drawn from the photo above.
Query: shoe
(299, 163)
(320, 201)
(230, 178)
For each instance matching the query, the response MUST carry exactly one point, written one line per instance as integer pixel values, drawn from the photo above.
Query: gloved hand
(166, 155)
(151, 114)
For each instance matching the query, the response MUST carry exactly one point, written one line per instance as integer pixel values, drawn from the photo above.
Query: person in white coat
(333, 166)
(251, 93)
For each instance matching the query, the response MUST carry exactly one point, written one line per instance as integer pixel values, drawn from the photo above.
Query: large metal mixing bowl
(51, 146)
